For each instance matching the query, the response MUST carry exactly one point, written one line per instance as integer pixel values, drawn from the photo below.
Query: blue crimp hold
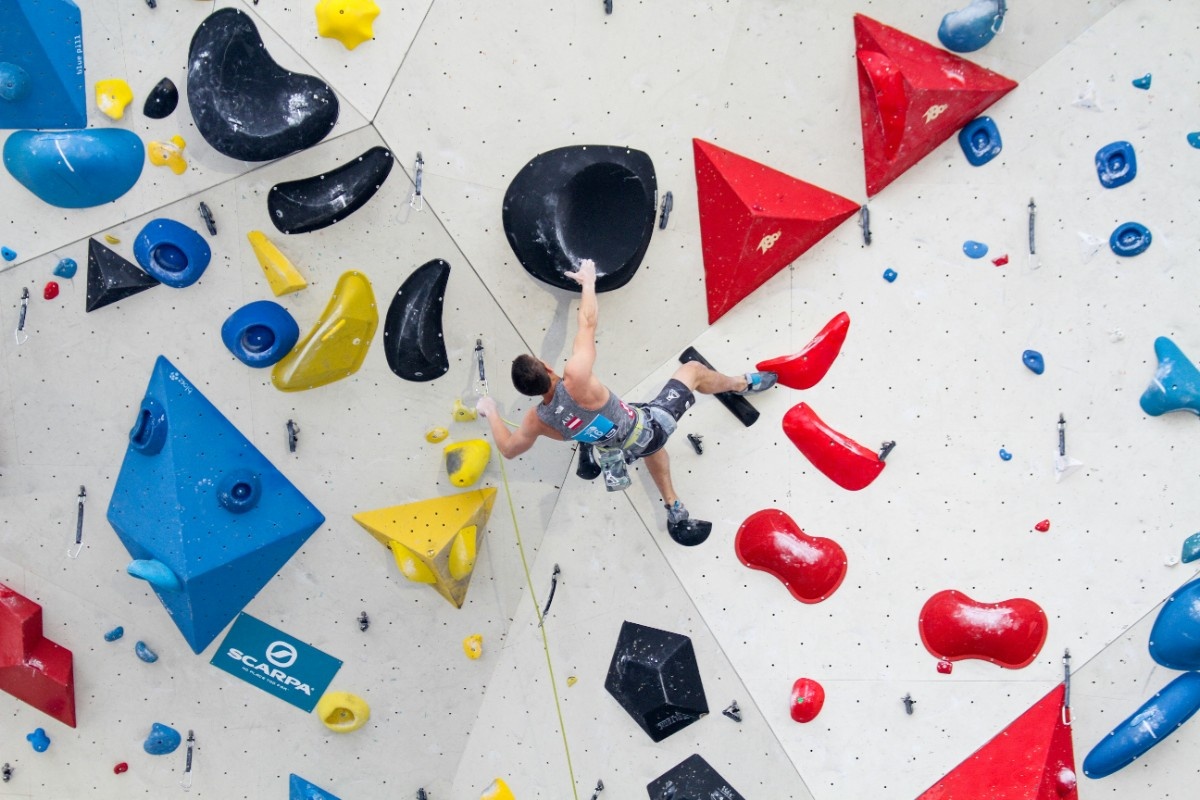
(145, 653)
(1005, 455)
(163, 739)
(114, 634)
(7, 253)
(39, 740)
(66, 268)
(890, 275)
(1033, 359)
(1191, 548)
(1142, 82)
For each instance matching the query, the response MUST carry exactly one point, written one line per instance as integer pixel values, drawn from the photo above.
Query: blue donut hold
(1116, 164)
(1129, 239)
(980, 141)
(260, 333)
(171, 252)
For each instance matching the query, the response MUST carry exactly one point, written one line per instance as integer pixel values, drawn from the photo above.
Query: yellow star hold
(348, 21)
(112, 95)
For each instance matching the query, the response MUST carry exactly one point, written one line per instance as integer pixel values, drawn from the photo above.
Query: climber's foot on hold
(685, 530)
(758, 382)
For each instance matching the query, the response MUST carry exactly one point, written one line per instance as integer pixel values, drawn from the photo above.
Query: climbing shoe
(588, 468)
(685, 530)
(759, 382)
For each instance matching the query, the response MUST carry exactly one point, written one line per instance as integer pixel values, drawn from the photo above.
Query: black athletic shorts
(673, 401)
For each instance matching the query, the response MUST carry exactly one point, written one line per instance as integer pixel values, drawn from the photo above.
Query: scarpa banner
(275, 662)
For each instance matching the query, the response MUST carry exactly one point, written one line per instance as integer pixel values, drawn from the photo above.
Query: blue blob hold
(970, 28)
(1116, 164)
(260, 333)
(1142, 82)
(163, 739)
(39, 740)
(975, 249)
(1005, 455)
(1175, 637)
(1176, 384)
(41, 77)
(300, 789)
(1130, 239)
(76, 169)
(1191, 548)
(155, 573)
(1033, 359)
(14, 83)
(144, 652)
(1194, 139)
(7, 254)
(980, 141)
(176, 500)
(66, 268)
(171, 252)
(114, 634)
(1154, 722)
(890, 275)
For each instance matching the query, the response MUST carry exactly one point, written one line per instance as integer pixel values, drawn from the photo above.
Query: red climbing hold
(945, 667)
(754, 221)
(811, 567)
(843, 460)
(1001, 260)
(1009, 634)
(1032, 759)
(807, 698)
(32, 668)
(51, 290)
(119, 768)
(912, 97)
(1042, 526)
(806, 368)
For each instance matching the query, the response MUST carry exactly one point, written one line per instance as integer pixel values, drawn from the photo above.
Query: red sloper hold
(34, 669)
(1032, 759)
(754, 221)
(843, 460)
(805, 369)
(912, 97)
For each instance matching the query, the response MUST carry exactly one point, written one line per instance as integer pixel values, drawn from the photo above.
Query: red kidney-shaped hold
(1009, 634)
(807, 698)
(843, 460)
(805, 369)
(811, 567)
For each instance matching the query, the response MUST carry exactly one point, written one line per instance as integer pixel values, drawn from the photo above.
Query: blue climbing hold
(155, 573)
(970, 28)
(171, 252)
(1191, 548)
(75, 169)
(1005, 455)
(1151, 724)
(260, 333)
(39, 740)
(1033, 359)
(8, 254)
(1129, 239)
(114, 634)
(1176, 384)
(1194, 139)
(1175, 637)
(66, 268)
(144, 652)
(163, 739)
(1142, 82)
(1116, 164)
(300, 789)
(41, 65)
(890, 275)
(194, 494)
(975, 249)
(980, 141)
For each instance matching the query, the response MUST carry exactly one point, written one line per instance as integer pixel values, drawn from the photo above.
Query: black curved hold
(244, 104)
(412, 331)
(162, 100)
(587, 201)
(310, 204)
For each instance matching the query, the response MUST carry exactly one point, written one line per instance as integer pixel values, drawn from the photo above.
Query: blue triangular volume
(300, 789)
(41, 65)
(195, 496)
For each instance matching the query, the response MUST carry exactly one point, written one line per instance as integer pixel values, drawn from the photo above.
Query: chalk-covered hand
(586, 274)
(486, 406)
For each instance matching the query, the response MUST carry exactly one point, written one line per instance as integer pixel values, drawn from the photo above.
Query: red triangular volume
(913, 97)
(1031, 759)
(32, 668)
(754, 221)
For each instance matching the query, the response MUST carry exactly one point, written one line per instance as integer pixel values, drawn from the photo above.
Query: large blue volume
(207, 518)
(75, 169)
(1151, 724)
(1175, 637)
(300, 789)
(41, 65)
(1176, 384)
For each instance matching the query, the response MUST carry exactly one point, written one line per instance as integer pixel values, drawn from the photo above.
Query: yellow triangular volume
(281, 275)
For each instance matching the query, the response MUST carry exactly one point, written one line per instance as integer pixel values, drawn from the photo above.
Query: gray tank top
(608, 425)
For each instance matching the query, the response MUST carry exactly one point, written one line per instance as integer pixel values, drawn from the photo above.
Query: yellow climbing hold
(428, 533)
(168, 154)
(348, 21)
(343, 712)
(337, 346)
(281, 275)
(466, 461)
(436, 434)
(463, 413)
(571, 679)
(112, 95)
(497, 791)
(108, 237)
(473, 646)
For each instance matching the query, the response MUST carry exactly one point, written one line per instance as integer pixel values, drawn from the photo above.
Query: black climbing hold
(655, 677)
(695, 440)
(689, 532)
(737, 404)
(244, 104)
(310, 204)
(412, 332)
(162, 100)
(588, 201)
(692, 778)
(589, 467)
(111, 278)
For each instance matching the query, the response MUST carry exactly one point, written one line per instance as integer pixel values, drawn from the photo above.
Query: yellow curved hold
(473, 646)
(436, 434)
(463, 413)
(108, 237)
(168, 154)
(498, 791)
(466, 461)
(462, 552)
(112, 95)
(281, 275)
(337, 346)
(571, 679)
(348, 21)
(411, 565)
(343, 712)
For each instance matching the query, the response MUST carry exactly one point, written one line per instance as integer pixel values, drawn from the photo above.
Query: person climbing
(576, 406)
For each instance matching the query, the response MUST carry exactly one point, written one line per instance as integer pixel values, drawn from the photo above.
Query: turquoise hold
(75, 169)
(14, 82)
(8, 254)
(39, 740)
(1191, 548)
(1142, 82)
(163, 739)
(66, 268)
(171, 252)
(1194, 139)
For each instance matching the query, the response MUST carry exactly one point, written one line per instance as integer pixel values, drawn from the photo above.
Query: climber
(578, 407)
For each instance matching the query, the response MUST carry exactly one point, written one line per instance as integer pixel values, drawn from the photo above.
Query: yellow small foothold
(281, 275)
(112, 95)
(473, 646)
(497, 791)
(108, 237)
(343, 712)
(168, 154)
(436, 434)
(463, 413)
(571, 679)
(348, 21)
